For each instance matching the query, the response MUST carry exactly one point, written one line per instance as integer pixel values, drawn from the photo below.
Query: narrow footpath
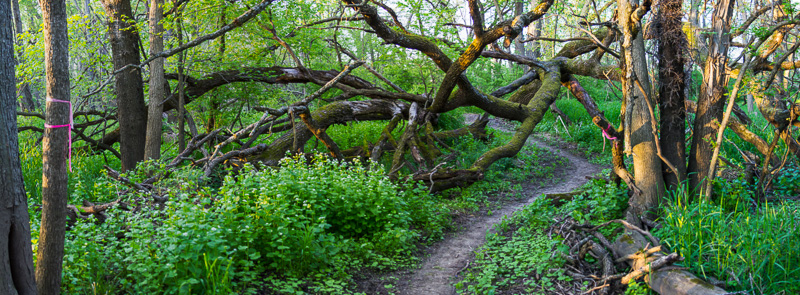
(450, 256)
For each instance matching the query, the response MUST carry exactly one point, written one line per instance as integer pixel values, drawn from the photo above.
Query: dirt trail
(448, 257)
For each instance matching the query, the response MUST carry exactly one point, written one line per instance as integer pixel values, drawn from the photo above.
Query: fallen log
(662, 279)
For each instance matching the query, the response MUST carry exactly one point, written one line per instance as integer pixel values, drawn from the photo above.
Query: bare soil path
(447, 258)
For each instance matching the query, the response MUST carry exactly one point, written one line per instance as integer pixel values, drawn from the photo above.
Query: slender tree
(711, 99)
(157, 89)
(181, 85)
(132, 113)
(16, 257)
(54, 148)
(24, 90)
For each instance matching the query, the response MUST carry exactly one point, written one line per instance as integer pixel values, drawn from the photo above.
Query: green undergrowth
(582, 132)
(749, 248)
(294, 230)
(522, 258)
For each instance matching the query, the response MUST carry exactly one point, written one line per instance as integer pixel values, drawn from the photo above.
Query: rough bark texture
(16, 257)
(710, 101)
(132, 113)
(54, 149)
(671, 52)
(157, 90)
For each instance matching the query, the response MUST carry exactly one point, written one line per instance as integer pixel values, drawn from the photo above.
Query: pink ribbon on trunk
(69, 132)
(605, 133)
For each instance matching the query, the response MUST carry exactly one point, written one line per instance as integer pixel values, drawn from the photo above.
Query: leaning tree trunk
(711, 100)
(16, 257)
(132, 113)
(671, 57)
(638, 121)
(54, 148)
(157, 82)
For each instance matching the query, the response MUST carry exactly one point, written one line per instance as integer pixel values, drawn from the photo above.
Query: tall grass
(753, 251)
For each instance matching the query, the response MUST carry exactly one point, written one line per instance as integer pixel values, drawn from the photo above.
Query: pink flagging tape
(605, 133)
(70, 126)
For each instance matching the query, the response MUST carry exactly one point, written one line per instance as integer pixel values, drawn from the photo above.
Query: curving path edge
(438, 272)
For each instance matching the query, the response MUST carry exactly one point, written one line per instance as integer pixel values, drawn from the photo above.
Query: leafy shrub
(600, 201)
(301, 216)
(313, 224)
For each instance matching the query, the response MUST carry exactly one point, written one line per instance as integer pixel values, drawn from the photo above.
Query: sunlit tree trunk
(637, 91)
(54, 148)
(132, 113)
(157, 89)
(711, 99)
(16, 257)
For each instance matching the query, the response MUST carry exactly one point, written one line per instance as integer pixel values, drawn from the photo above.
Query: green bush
(299, 214)
(297, 228)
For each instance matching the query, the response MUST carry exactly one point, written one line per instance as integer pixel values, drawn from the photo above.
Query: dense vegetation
(293, 147)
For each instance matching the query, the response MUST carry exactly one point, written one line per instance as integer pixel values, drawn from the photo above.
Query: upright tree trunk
(711, 99)
(535, 31)
(646, 163)
(131, 111)
(519, 47)
(157, 90)
(54, 148)
(213, 103)
(181, 86)
(671, 57)
(16, 257)
(24, 90)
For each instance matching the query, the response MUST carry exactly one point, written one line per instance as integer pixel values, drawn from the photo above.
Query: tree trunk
(132, 113)
(519, 47)
(25, 90)
(710, 102)
(636, 90)
(16, 257)
(157, 82)
(181, 86)
(671, 52)
(54, 148)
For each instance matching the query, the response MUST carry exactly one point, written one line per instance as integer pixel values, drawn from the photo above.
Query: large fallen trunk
(665, 280)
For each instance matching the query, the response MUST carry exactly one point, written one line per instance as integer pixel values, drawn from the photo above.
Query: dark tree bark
(157, 90)
(711, 100)
(54, 148)
(16, 257)
(671, 57)
(132, 113)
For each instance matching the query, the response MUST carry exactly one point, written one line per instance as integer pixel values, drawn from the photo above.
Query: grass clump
(754, 251)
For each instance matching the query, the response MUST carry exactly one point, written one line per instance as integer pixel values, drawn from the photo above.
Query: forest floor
(446, 259)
